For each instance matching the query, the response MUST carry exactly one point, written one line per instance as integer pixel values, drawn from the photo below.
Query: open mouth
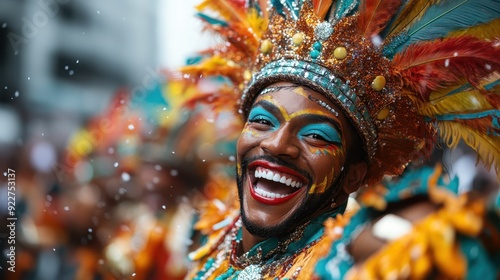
(273, 184)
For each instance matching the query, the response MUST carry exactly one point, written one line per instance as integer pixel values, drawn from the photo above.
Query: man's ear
(355, 176)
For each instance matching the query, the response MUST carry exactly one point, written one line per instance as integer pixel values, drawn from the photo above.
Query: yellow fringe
(487, 147)
(489, 30)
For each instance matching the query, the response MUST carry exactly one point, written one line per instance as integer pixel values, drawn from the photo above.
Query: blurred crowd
(118, 201)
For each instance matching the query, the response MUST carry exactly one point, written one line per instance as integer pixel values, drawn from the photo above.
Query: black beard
(316, 203)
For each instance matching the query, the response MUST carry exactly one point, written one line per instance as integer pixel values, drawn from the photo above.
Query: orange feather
(321, 7)
(375, 14)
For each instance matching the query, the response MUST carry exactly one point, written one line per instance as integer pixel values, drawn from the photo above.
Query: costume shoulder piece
(408, 74)
(458, 239)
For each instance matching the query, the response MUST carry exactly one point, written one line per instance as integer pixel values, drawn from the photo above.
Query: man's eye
(260, 120)
(316, 136)
(260, 116)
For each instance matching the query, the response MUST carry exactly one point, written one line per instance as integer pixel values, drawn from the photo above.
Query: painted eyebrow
(313, 118)
(268, 106)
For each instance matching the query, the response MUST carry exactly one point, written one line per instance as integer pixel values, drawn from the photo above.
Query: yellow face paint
(312, 120)
(239, 169)
(250, 132)
(287, 117)
(301, 91)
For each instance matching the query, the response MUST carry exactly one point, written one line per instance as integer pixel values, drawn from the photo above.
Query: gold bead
(378, 83)
(340, 53)
(266, 47)
(382, 114)
(247, 75)
(298, 38)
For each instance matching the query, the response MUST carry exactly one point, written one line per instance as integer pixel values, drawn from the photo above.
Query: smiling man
(292, 161)
(335, 96)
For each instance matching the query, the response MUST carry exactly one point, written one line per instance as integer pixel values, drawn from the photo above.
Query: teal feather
(470, 116)
(345, 8)
(276, 4)
(468, 86)
(443, 18)
(211, 20)
(496, 127)
(293, 7)
(493, 114)
(492, 85)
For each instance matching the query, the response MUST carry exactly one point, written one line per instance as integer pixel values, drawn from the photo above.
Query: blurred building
(61, 60)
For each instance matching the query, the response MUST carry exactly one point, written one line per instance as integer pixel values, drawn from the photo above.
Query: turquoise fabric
(482, 264)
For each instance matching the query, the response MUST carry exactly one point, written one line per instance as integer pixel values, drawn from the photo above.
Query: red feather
(375, 14)
(432, 65)
(321, 7)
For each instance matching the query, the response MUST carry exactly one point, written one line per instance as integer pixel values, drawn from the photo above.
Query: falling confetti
(125, 177)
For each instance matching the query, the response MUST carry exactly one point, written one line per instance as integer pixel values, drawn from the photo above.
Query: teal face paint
(322, 131)
(261, 115)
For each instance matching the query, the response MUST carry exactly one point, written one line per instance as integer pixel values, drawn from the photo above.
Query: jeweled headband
(407, 74)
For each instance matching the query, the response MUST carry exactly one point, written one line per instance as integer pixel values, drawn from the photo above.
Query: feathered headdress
(408, 74)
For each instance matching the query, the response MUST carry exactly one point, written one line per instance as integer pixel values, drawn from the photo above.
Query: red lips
(273, 167)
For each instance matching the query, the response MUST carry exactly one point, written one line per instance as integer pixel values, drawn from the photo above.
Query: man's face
(290, 155)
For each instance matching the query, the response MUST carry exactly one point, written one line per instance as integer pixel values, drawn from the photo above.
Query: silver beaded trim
(320, 79)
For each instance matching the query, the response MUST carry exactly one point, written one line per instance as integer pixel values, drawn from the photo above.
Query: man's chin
(264, 231)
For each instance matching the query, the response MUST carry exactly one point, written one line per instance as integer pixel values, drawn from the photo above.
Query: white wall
(179, 32)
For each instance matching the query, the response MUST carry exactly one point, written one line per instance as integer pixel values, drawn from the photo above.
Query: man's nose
(281, 142)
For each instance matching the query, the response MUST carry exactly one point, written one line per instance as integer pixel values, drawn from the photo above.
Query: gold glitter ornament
(378, 83)
(266, 47)
(383, 113)
(340, 53)
(247, 75)
(298, 38)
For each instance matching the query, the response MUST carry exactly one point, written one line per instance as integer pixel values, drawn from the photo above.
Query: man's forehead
(288, 94)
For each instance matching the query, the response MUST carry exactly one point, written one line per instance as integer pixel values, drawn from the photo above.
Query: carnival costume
(409, 75)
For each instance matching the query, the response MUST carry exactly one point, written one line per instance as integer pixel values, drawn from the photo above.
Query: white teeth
(276, 177)
(269, 194)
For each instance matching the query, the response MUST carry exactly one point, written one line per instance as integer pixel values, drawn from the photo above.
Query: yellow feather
(490, 30)
(487, 147)
(466, 101)
(257, 23)
(215, 65)
(412, 12)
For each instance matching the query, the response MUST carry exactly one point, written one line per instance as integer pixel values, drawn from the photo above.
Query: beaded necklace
(273, 258)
